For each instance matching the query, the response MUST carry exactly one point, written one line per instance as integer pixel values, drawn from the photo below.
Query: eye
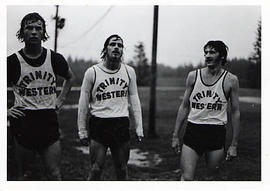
(120, 45)
(112, 44)
(38, 28)
(29, 27)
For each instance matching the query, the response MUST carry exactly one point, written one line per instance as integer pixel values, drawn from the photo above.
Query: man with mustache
(32, 72)
(106, 91)
(209, 90)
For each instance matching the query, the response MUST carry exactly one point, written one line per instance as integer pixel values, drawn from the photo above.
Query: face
(115, 49)
(212, 57)
(33, 32)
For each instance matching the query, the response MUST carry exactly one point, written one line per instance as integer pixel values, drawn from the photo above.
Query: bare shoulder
(130, 70)
(90, 74)
(90, 70)
(191, 78)
(231, 80)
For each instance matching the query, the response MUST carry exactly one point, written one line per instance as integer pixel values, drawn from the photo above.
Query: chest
(111, 81)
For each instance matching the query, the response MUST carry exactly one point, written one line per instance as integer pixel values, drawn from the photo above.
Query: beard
(113, 58)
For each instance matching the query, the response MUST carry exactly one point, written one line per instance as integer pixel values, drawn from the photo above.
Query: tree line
(248, 70)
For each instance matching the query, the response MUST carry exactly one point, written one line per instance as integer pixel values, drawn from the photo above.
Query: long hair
(220, 47)
(31, 17)
(104, 50)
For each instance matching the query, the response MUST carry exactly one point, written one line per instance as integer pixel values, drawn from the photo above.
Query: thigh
(189, 159)
(97, 153)
(24, 156)
(120, 154)
(214, 158)
(52, 155)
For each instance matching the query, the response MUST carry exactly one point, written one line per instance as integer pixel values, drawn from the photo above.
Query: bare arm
(234, 96)
(67, 84)
(135, 104)
(184, 109)
(235, 113)
(86, 87)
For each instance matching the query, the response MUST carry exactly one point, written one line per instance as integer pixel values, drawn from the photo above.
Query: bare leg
(213, 160)
(97, 159)
(120, 158)
(188, 162)
(24, 158)
(51, 157)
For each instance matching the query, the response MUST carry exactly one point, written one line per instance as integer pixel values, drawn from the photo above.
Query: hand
(176, 145)
(231, 153)
(15, 112)
(139, 134)
(139, 138)
(84, 141)
(59, 104)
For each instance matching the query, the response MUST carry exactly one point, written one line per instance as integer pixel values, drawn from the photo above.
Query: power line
(90, 28)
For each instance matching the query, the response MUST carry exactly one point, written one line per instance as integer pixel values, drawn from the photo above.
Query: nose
(116, 48)
(207, 54)
(34, 31)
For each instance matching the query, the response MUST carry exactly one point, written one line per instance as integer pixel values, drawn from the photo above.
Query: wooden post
(152, 107)
(56, 29)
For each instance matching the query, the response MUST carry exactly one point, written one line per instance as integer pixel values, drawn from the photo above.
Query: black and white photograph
(136, 92)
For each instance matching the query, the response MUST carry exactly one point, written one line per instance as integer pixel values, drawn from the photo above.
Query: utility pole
(56, 29)
(59, 24)
(152, 107)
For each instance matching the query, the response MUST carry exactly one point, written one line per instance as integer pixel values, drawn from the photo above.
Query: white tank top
(208, 103)
(36, 87)
(110, 93)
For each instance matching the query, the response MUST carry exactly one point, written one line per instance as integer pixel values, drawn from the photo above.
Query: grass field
(75, 164)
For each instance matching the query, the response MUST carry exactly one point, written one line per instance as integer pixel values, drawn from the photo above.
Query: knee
(187, 177)
(55, 174)
(122, 168)
(212, 173)
(95, 172)
(95, 168)
(121, 172)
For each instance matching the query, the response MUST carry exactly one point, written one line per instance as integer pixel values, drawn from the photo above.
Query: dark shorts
(37, 130)
(204, 138)
(110, 132)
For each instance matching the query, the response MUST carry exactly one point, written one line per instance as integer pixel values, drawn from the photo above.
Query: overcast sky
(183, 30)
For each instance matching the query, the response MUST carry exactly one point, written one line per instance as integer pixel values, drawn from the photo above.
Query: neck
(32, 51)
(214, 71)
(112, 65)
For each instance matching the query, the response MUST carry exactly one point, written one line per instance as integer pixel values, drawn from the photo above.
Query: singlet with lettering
(36, 87)
(109, 96)
(208, 103)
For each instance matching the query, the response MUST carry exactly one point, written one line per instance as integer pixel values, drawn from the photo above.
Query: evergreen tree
(142, 67)
(256, 56)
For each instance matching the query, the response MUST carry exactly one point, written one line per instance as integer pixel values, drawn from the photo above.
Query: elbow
(236, 114)
(72, 79)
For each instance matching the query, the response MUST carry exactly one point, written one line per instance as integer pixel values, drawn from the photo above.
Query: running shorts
(110, 132)
(37, 130)
(204, 137)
